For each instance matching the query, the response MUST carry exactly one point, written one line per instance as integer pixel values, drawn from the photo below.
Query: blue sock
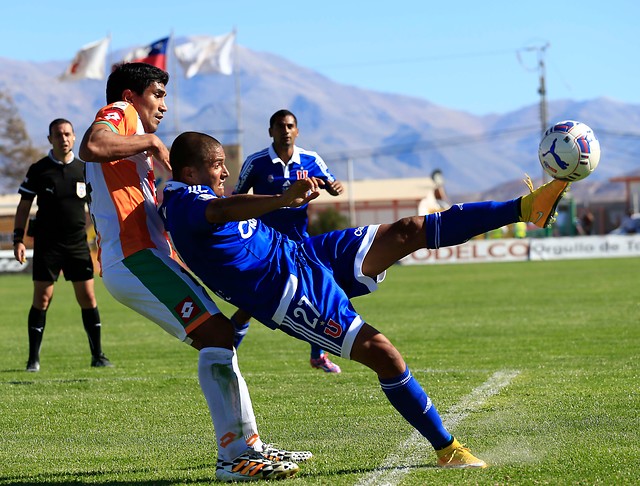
(461, 222)
(240, 331)
(407, 396)
(316, 351)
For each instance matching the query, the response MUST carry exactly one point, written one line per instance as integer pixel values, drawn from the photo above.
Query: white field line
(416, 449)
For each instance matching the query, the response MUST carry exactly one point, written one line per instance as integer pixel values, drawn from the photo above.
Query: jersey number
(331, 328)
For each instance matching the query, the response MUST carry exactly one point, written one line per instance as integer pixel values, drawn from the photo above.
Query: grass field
(534, 365)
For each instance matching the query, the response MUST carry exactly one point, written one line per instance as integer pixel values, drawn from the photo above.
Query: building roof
(413, 189)
(9, 204)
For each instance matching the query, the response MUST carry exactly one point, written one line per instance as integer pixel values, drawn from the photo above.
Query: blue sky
(480, 57)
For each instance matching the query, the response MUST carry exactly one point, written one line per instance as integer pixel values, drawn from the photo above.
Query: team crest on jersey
(187, 310)
(302, 174)
(81, 190)
(113, 116)
(333, 329)
(270, 178)
(115, 113)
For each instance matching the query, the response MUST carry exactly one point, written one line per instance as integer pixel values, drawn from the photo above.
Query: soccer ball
(569, 151)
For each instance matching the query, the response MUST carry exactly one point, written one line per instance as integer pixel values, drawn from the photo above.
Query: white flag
(89, 62)
(206, 54)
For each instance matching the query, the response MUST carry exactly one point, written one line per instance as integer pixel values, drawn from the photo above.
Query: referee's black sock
(36, 322)
(91, 321)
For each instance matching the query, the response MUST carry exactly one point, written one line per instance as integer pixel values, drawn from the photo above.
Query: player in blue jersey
(304, 287)
(272, 171)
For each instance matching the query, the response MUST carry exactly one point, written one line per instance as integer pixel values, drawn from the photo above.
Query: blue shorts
(315, 305)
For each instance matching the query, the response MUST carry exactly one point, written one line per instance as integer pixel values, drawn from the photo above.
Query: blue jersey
(301, 287)
(266, 173)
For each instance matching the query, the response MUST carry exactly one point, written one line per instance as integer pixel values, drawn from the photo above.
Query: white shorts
(157, 287)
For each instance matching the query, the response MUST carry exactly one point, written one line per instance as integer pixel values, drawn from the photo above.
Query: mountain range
(385, 135)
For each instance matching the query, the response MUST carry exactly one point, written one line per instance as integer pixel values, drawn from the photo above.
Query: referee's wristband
(18, 235)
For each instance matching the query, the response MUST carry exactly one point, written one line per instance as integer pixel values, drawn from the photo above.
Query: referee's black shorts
(74, 260)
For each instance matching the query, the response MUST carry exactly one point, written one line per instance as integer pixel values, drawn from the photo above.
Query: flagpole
(173, 74)
(236, 74)
(109, 65)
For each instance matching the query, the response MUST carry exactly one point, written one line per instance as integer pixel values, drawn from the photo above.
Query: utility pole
(542, 88)
(352, 200)
(542, 91)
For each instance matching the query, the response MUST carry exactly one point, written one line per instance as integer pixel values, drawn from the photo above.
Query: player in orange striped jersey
(138, 266)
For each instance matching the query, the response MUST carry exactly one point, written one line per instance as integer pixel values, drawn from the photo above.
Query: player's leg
(318, 359)
(375, 351)
(158, 288)
(458, 224)
(47, 263)
(321, 313)
(214, 339)
(78, 268)
(85, 295)
(37, 320)
(218, 372)
(42, 294)
(241, 321)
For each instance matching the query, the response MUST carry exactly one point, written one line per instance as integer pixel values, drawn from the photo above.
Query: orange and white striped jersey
(123, 195)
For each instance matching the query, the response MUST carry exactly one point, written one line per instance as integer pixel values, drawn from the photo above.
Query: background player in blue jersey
(272, 171)
(304, 287)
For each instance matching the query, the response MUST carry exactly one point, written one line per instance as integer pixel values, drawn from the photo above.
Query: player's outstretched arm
(240, 207)
(100, 144)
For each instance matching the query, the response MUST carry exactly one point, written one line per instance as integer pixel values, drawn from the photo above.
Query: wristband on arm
(18, 235)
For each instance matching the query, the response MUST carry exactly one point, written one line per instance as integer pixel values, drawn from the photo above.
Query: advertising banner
(8, 263)
(536, 249)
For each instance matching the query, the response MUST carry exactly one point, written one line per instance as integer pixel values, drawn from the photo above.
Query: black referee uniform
(60, 243)
(59, 229)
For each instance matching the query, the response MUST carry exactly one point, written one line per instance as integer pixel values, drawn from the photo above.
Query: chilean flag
(154, 54)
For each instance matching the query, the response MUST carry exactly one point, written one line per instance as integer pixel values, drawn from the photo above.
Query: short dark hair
(191, 149)
(136, 76)
(281, 114)
(59, 121)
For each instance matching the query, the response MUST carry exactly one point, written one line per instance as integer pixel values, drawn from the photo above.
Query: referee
(59, 239)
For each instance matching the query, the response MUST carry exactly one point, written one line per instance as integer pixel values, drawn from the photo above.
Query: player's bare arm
(102, 145)
(246, 206)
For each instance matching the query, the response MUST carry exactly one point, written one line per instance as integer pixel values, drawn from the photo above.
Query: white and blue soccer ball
(569, 151)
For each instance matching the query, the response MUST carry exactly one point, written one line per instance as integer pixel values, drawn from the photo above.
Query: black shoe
(100, 361)
(33, 365)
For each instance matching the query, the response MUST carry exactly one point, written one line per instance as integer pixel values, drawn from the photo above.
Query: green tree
(16, 149)
(328, 220)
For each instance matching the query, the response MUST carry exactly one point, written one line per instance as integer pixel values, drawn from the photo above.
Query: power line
(424, 145)
(414, 60)
(612, 133)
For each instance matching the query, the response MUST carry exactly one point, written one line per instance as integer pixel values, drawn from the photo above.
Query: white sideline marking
(416, 448)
